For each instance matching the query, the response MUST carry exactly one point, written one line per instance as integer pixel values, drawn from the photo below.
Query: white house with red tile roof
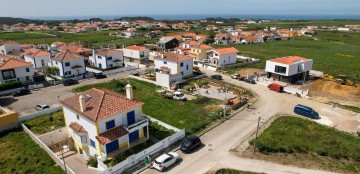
(107, 58)
(9, 47)
(102, 122)
(56, 45)
(130, 32)
(136, 54)
(222, 38)
(38, 58)
(199, 52)
(289, 69)
(69, 64)
(222, 56)
(15, 70)
(172, 67)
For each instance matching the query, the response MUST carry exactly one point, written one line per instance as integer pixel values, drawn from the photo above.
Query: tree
(52, 70)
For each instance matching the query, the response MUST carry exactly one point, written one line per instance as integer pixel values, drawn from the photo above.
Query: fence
(55, 136)
(40, 113)
(126, 68)
(139, 157)
(142, 79)
(167, 126)
(52, 154)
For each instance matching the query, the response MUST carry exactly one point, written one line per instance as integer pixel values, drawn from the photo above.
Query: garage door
(133, 136)
(111, 147)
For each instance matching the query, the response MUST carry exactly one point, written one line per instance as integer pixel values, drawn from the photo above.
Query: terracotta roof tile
(34, 53)
(10, 63)
(111, 135)
(107, 52)
(289, 60)
(66, 56)
(173, 57)
(202, 46)
(102, 104)
(226, 50)
(134, 47)
(77, 127)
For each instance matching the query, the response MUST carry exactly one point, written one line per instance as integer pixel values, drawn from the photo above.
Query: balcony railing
(143, 122)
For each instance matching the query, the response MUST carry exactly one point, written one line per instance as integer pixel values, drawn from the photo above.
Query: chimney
(82, 103)
(129, 92)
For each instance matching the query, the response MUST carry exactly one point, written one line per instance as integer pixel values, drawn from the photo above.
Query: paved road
(217, 142)
(25, 104)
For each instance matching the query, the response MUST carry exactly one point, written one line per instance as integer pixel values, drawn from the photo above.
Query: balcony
(142, 123)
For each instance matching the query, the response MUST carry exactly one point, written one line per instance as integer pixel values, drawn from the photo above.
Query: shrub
(92, 162)
(10, 85)
(202, 100)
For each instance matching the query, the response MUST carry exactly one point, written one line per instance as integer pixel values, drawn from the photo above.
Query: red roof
(66, 56)
(226, 50)
(34, 53)
(173, 57)
(10, 63)
(102, 104)
(111, 135)
(77, 127)
(134, 47)
(108, 52)
(290, 60)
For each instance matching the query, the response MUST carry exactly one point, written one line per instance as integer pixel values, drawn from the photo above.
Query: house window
(83, 139)
(109, 58)
(181, 64)
(92, 143)
(216, 54)
(67, 64)
(182, 73)
(110, 124)
(187, 67)
(8, 74)
(280, 69)
(27, 69)
(99, 57)
(165, 62)
(68, 73)
(55, 63)
(77, 117)
(27, 78)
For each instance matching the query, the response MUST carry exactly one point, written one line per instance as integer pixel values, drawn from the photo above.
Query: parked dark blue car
(306, 111)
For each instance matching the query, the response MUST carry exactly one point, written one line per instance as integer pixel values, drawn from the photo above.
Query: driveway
(26, 104)
(218, 142)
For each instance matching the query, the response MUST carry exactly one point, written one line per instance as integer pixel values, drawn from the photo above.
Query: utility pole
(257, 131)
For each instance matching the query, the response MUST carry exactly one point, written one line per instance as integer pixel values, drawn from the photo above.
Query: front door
(133, 136)
(100, 66)
(131, 117)
(114, 145)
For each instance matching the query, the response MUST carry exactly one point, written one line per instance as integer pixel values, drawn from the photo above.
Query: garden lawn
(334, 53)
(19, 154)
(190, 115)
(44, 124)
(302, 137)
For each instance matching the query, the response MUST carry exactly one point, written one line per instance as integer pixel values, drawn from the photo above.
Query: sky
(49, 8)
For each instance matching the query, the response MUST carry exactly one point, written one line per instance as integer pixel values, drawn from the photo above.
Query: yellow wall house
(200, 52)
(8, 119)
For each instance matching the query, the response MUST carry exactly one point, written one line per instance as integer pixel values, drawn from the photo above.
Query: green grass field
(190, 115)
(334, 53)
(304, 23)
(293, 135)
(44, 124)
(231, 171)
(19, 154)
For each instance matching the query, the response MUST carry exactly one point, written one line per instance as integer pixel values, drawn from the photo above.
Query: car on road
(42, 107)
(190, 144)
(99, 75)
(21, 92)
(165, 160)
(68, 82)
(250, 80)
(235, 76)
(217, 77)
(306, 111)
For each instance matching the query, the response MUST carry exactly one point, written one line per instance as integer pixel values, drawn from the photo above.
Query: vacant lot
(46, 123)
(19, 154)
(190, 115)
(304, 143)
(334, 53)
(231, 171)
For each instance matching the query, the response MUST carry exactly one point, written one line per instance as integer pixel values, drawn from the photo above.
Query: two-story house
(136, 54)
(6, 48)
(12, 69)
(104, 123)
(55, 45)
(168, 43)
(199, 52)
(172, 67)
(289, 69)
(222, 38)
(222, 56)
(38, 58)
(107, 59)
(69, 64)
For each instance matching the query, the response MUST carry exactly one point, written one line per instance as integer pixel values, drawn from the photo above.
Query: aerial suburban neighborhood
(85, 89)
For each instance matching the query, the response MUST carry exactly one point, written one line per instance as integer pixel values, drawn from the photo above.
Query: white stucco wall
(64, 69)
(6, 48)
(290, 69)
(37, 62)
(135, 53)
(170, 64)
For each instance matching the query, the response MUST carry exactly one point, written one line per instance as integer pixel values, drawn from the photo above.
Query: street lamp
(65, 147)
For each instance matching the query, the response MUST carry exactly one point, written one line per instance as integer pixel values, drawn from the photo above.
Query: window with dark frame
(8, 74)
(280, 69)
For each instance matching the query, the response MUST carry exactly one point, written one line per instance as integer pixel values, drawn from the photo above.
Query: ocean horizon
(204, 16)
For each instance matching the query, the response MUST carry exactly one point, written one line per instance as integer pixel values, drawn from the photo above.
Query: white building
(102, 122)
(9, 47)
(222, 56)
(15, 70)
(289, 69)
(136, 54)
(38, 58)
(107, 58)
(222, 38)
(69, 64)
(55, 45)
(172, 67)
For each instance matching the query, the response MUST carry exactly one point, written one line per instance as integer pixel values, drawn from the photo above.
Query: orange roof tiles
(107, 52)
(34, 53)
(78, 49)
(77, 127)
(111, 135)
(102, 104)
(202, 46)
(289, 60)
(10, 63)
(174, 57)
(134, 47)
(226, 50)
(66, 56)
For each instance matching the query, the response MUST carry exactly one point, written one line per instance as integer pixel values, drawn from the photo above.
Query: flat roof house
(289, 69)
(104, 123)
(168, 43)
